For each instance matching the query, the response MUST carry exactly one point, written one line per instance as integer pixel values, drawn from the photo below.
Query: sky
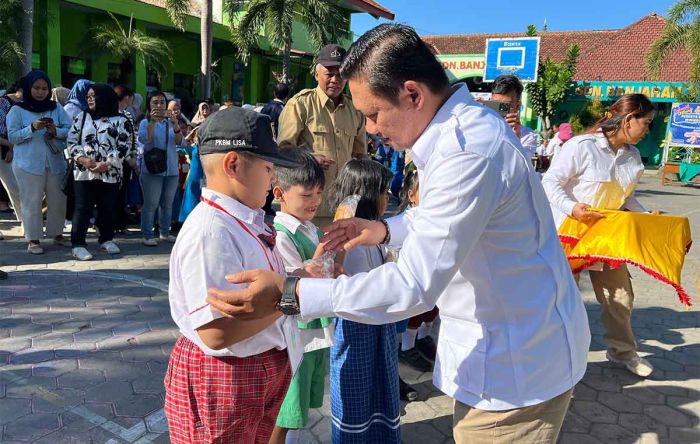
(430, 17)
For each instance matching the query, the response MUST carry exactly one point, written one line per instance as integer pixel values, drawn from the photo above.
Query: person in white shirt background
(507, 88)
(482, 245)
(601, 169)
(564, 134)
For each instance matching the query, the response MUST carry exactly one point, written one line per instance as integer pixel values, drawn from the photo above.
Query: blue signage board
(519, 56)
(685, 124)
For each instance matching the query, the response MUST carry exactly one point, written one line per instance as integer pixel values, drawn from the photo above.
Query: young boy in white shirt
(299, 191)
(226, 378)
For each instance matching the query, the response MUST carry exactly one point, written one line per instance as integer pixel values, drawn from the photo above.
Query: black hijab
(30, 103)
(106, 101)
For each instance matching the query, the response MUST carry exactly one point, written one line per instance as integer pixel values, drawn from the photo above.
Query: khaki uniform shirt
(311, 119)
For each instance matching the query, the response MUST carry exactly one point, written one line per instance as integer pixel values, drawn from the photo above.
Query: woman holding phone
(37, 127)
(158, 166)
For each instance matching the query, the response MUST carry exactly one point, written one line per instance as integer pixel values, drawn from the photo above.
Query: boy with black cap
(227, 378)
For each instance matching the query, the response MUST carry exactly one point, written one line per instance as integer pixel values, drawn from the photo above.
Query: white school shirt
(528, 139)
(588, 171)
(285, 246)
(210, 245)
(316, 338)
(482, 244)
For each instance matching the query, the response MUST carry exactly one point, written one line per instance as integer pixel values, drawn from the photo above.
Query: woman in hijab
(76, 98)
(99, 141)
(60, 95)
(203, 111)
(37, 127)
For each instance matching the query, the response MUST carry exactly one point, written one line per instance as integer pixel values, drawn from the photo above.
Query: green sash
(306, 249)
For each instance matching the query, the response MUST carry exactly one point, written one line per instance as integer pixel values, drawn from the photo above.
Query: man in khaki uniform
(325, 121)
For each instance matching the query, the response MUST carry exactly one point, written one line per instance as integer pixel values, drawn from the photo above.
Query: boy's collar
(236, 208)
(289, 222)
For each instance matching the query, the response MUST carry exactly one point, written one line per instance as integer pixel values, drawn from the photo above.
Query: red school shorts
(223, 400)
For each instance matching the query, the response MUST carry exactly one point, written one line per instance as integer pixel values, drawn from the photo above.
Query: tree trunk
(27, 35)
(206, 42)
(287, 61)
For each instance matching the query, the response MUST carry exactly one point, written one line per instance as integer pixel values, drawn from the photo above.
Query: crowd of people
(266, 311)
(90, 156)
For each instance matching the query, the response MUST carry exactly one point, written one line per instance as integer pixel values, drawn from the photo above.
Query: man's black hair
(505, 84)
(281, 91)
(389, 55)
(308, 175)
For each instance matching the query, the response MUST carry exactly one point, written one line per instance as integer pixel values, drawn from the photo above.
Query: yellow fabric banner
(656, 244)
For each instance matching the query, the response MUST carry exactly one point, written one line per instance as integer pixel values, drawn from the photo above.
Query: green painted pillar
(52, 46)
(255, 79)
(140, 66)
(227, 63)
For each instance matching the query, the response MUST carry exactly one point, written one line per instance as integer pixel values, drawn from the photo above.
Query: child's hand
(320, 250)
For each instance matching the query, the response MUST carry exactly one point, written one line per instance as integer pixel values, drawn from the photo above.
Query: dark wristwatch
(288, 304)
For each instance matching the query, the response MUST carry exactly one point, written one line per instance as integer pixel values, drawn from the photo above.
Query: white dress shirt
(210, 245)
(482, 244)
(554, 146)
(528, 139)
(588, 171)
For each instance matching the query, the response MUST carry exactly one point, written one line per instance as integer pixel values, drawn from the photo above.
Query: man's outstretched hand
(257, 301)
(346, 234)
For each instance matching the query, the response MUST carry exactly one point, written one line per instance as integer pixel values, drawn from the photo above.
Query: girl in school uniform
(364, 366)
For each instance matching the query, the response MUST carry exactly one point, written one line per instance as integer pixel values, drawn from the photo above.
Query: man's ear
(415, 92)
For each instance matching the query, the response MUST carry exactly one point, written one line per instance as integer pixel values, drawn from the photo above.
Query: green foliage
(682, 31)
(591, 112)
(10, 49)
(114, 40)
(553, 83)
(531, 31)
(325, 22)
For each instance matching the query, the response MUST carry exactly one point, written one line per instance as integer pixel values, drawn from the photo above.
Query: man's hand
(582, 213)
(513, 119)
(257, 301)
(325, 161)
(347, 234)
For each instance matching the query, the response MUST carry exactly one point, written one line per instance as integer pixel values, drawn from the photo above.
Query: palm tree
(682, 31)
(324, 21)
(178, 10)
(11, 54)
(127, 44)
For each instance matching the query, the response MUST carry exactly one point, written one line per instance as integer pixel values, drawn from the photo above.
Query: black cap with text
(238, 129)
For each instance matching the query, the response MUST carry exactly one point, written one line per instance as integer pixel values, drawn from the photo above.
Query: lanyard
(247, 230)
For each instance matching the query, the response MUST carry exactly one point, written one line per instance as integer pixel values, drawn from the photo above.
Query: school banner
(684, 126)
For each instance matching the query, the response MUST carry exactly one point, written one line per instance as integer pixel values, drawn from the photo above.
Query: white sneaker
(637, 365)
(149, 242)
(34, 249)
(168, 238)
(81, 254)
(110, 247)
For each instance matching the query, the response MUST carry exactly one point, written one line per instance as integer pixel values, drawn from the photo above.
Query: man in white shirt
(482, 245)
(507, 88)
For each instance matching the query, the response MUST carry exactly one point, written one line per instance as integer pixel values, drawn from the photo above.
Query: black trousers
(89, 193)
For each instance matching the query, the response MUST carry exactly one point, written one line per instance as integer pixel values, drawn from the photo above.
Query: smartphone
(502, 108)
(46, 119)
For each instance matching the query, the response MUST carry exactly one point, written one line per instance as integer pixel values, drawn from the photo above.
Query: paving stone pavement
(84, 348)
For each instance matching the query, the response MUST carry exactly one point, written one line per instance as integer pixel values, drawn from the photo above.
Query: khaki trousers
(31, 193)
(613, 290)
(536, 424)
